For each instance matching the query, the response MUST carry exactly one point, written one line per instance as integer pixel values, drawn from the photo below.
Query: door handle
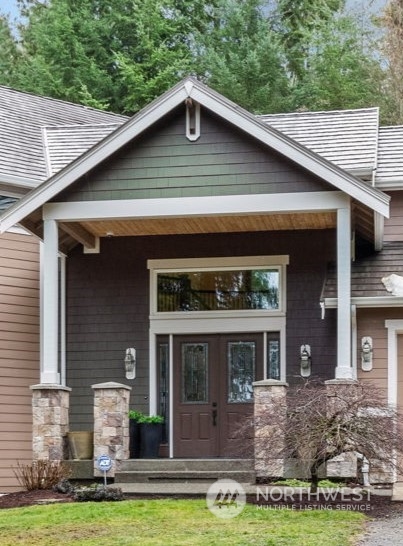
(214, 413)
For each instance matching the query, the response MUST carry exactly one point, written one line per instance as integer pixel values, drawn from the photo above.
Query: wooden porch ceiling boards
(212, 224)
(362, 219)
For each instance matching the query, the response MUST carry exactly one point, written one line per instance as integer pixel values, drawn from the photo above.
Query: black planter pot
(134, 439)
(150, 439)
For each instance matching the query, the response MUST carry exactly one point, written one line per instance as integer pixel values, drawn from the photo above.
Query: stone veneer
(111, 423)
(270, 413)
(50, 414)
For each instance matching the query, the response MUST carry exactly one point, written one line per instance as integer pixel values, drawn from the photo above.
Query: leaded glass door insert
(241, 364)
(194, 373)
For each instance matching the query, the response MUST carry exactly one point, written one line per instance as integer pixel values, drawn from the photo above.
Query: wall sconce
(130, 363)
(305, 360)
(366, 353)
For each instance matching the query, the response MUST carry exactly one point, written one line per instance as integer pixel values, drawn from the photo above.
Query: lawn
(172, 523)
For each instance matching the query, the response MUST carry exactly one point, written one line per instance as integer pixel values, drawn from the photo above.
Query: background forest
(266, 55)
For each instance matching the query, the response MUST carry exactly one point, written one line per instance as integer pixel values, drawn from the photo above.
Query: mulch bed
(379, 507)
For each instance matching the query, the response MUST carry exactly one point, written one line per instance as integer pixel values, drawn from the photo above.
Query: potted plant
(134, 433)
(150, 435)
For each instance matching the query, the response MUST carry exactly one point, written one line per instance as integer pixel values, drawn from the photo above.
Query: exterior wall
(394, 224)
(163, 163)
(19, 350)
(108, 305)
(371, 322)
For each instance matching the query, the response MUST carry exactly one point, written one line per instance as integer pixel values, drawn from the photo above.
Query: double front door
(213, 393)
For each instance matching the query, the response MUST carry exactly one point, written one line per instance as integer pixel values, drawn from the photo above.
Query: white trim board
(183, 207)
(368, 302)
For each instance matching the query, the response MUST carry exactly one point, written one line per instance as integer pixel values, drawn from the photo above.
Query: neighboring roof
(63, 144)
(6, 202)
(22, 116)
(221, 106)
(348, 138)
(390, 157)
(367, 273)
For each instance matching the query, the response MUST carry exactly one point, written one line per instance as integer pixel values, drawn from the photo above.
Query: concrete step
(176, 465)
(163, 472)
(185, 476)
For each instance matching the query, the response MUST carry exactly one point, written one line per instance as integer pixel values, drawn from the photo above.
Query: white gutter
(368, 302)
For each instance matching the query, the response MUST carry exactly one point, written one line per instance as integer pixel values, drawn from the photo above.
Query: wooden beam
(79, 233)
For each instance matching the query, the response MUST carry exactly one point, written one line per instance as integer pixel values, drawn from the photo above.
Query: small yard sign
(104, 464)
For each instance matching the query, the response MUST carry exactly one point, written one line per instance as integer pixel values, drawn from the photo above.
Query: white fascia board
(181, 207)
(57, 183)
(329, 172)
(369, 302)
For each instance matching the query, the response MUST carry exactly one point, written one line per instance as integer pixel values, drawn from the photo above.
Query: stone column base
(111, 423)
(270, 414)
(50, 414)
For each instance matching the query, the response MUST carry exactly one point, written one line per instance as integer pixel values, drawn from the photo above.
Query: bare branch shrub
(324, 421)
(41, 474)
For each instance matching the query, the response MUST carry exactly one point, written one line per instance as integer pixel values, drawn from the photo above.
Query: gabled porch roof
(358, 190)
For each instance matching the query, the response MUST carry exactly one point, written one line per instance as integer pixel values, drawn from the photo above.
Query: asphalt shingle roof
(348, 138)
(22, 116)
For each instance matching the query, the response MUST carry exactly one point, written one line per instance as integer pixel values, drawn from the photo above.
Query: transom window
(218, 285)
(222, 290)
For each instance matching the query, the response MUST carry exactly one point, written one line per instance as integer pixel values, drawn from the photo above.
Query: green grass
(172, 523)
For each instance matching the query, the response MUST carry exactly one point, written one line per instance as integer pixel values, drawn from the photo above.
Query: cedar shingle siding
(163, 163)
(108, 305)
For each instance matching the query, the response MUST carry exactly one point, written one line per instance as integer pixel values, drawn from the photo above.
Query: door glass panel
(241, 358)
(273, 359)
(163, 358)
(194, 373)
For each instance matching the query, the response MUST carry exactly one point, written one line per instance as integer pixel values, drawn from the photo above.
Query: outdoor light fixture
(130, 363)
(305, 360)
(366, 353)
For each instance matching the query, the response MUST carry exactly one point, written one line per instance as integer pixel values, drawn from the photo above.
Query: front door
(213, 393)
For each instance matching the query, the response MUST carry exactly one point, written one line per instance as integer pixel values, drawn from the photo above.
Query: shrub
(98, 493)
(41, 474)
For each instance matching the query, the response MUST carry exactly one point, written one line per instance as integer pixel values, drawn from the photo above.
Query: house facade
(222, 250)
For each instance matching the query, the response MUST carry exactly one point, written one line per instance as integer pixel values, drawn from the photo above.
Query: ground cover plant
(170, 522)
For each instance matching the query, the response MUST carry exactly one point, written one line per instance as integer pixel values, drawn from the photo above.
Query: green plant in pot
(134, 433)
(150, 435)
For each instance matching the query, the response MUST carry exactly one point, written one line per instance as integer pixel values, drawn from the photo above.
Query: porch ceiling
(211, 224)
(70, 234)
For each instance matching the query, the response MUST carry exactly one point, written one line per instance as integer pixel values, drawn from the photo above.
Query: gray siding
(108, 305)
(163, 163)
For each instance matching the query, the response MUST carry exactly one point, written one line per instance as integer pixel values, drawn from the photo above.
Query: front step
(160, 472)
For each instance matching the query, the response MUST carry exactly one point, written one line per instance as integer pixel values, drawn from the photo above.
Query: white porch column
(344, 369)
(50, 321)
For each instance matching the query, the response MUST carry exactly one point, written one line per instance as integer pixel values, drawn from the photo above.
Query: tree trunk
(314, 478)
